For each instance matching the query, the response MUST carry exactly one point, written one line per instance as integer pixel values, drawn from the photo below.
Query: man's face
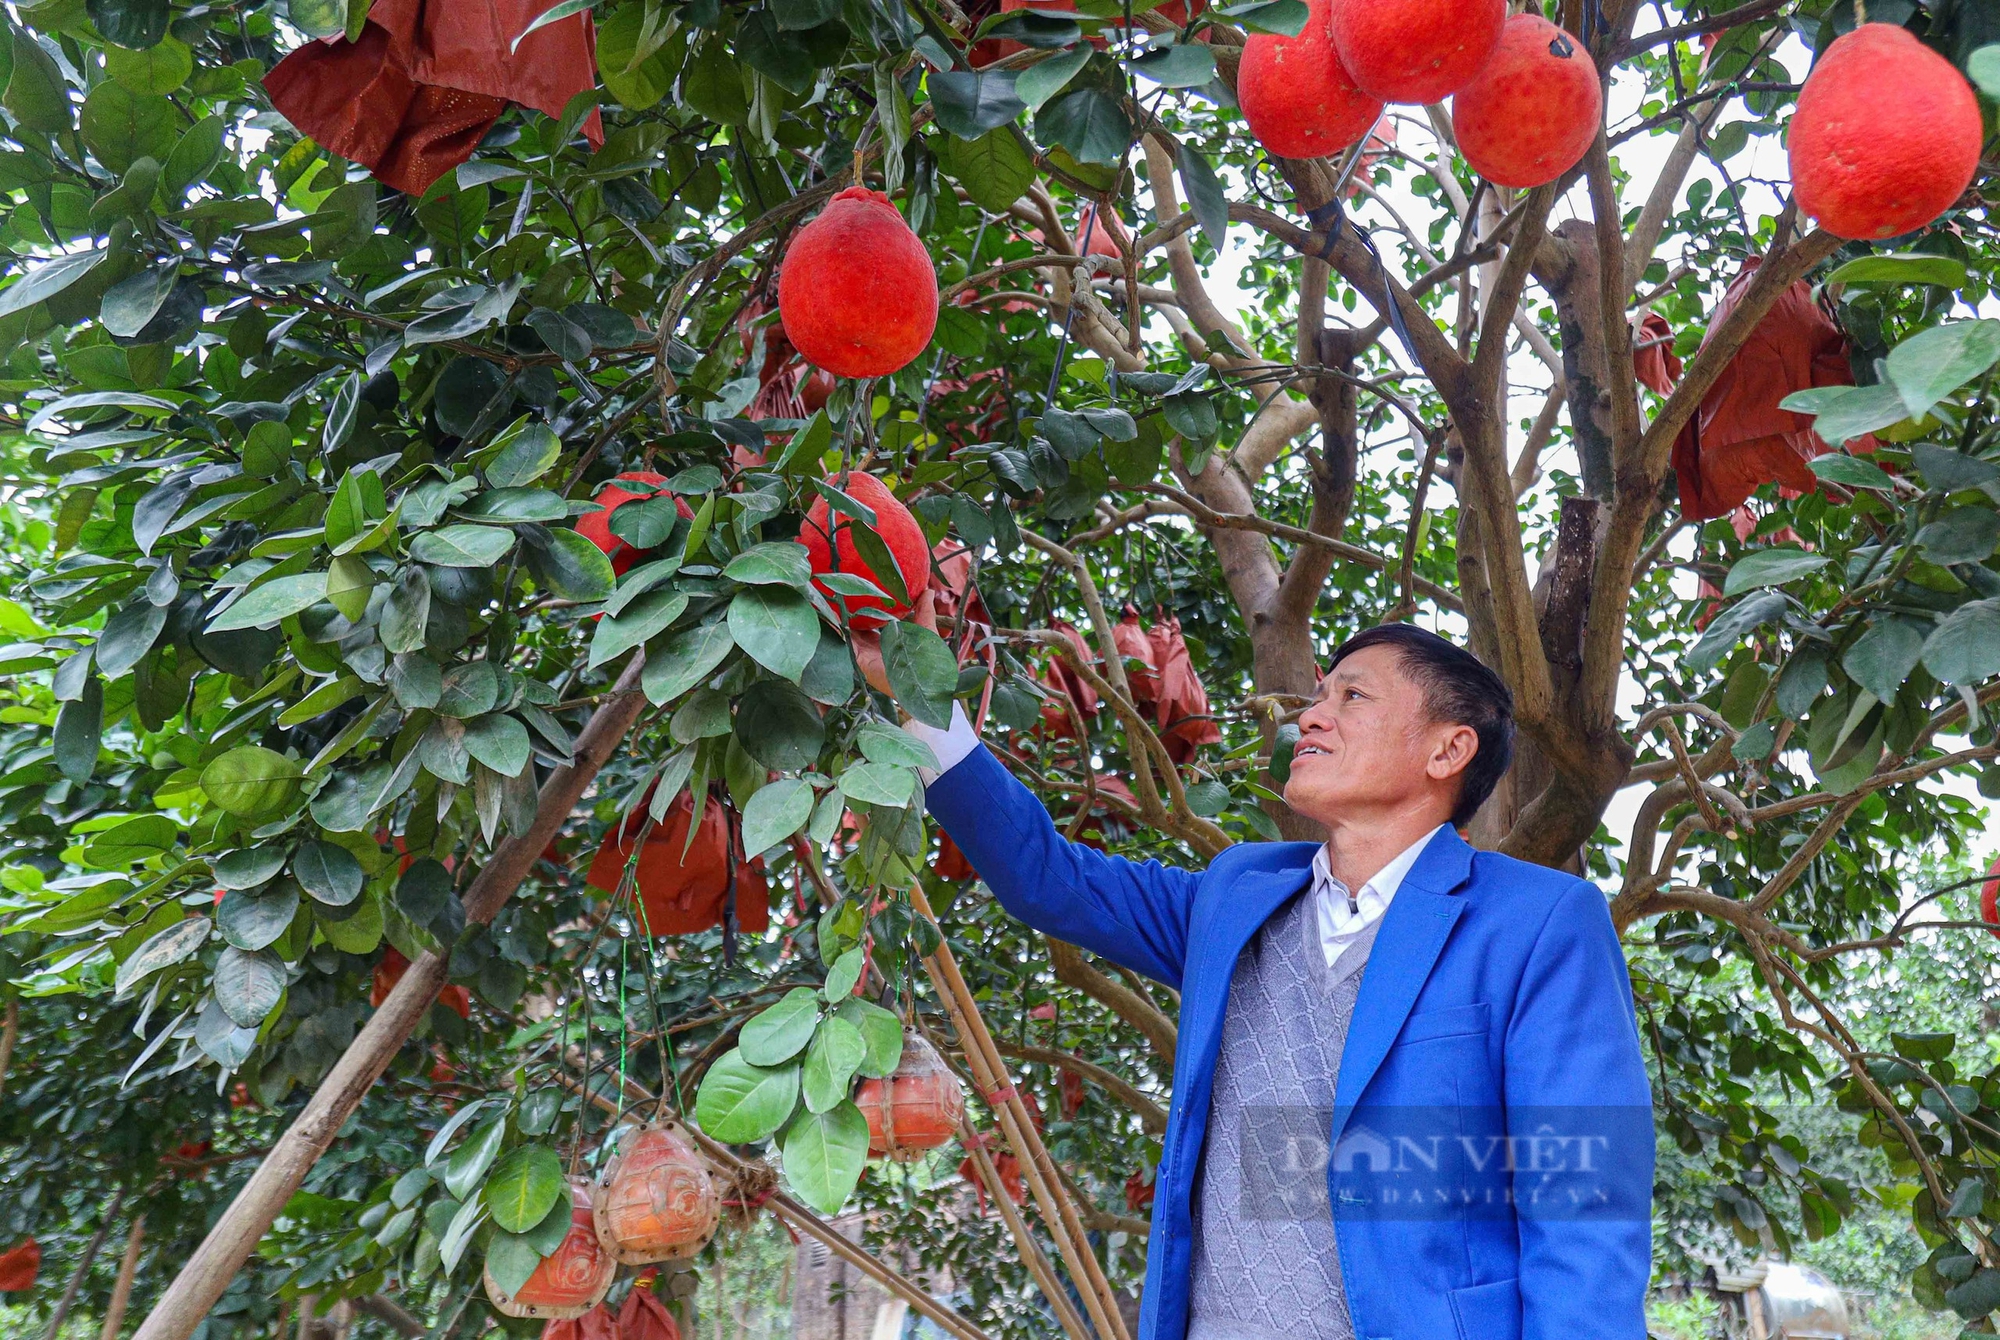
(1367, 746)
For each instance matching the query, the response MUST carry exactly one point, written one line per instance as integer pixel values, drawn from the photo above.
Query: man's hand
(867, 643)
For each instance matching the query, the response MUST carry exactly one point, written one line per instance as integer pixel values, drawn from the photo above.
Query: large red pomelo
(857, 291)
(1989, 898)
(596, 526)
(1297, 96)
(1534, 109)
(900, 531)
(1886, 135)
(1416, 51)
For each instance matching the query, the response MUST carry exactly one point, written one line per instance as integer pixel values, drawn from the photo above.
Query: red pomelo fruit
(1989, 898)
(1416, 51)
(596, 526)
(1298, 97)
(857, 291)
(1533, 111)
(898, 530)
(1886, 135)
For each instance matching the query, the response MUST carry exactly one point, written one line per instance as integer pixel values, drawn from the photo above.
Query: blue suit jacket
(1495, 989)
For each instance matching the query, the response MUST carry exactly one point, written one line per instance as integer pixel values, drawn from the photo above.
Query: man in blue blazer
(1409, 1102)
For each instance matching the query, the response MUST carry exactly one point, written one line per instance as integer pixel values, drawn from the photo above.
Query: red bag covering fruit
(1130, 638)
(645, 1317)
(1182, 713)
(1066, 682)
(1070, 1086)
(1654, 362)
(596, 1324)
(19, 1266)
(414, 95)
(951, 863)
(390, 971)
(682, 894)
(1989, 912)
(1739, 439)
(1138, 1192)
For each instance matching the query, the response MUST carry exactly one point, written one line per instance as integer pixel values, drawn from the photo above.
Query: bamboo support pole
(989, 1072)
(83, 1265)
(1024, 1239)
(206, 1275)
(121, 1290)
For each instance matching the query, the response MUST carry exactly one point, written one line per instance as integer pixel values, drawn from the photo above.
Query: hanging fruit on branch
(1533, 111)
(832, 546)
(414, 94)
(19, 1267)
(596, 1324)
(1381, 142)
(1654, 363)
(1739, 439)
(655, 1201)
(857, 291)
(1066, 683)
(596, 526)
(1299, 99)
(645, 1317)
(915, 1109)
(1886, 135)
(570, 1280)
(1415, 51)
(1129, 636)
(683, 887)
(1185, 723)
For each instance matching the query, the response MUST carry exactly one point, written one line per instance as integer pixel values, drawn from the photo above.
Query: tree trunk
(121, 1291)
(61, 1314)
(9, 1033)
(236, 1234)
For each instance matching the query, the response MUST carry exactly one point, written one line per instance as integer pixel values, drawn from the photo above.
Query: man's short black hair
(1458, 688)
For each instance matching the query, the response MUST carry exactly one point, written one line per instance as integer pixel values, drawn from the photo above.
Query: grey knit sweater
(1266, 1264)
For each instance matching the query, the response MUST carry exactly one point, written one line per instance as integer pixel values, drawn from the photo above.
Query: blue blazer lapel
(1413, 934)
(1250, 901)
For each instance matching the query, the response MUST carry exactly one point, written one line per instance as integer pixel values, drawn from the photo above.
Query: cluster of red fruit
(1885, 139)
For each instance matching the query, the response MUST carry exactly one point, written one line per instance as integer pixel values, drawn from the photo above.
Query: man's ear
(1453, 752)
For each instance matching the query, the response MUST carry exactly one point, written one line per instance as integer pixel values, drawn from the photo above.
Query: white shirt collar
(1343, 914)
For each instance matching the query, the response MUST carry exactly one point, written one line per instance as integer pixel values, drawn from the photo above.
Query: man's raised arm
(1130, 912)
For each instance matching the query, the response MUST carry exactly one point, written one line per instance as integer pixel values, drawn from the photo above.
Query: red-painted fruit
(596, 526)
(1886, 135)
(1534, 109)
(1416, 51)
(1299, 99)
(1989, 898)
(827, 532)
(857, 292)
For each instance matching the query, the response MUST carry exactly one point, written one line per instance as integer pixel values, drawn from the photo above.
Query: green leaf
(328, 872)
(1771, 567)
(881, 1031)
(777, 1034)
(500, 742)
(128, 635)
(249, 868)
(524, 455)
(883, 743)
(406, 613)
(777, 626)
(510, 1259)
(122, 126)
(645, 617)
(276, 600)
(740, 1103)
(195, 155)
(1284, 18)
(1183, 65)
(775, 813)
(1882, 657)
(686, 659)
(1088, 122)
(469, 1162)
(1949, 471)
(518, 504)
(1043, 80)
(464, 547)
(1843, 413)
(994, 169)
(922, 672)
(777, 563)
(524, 1185)
(252, 782)
(133, 840)
(36, 93)
(44, 281)
(1965, 648)
(162, 950)
(571, 567)
(1961, 535)
(968, 103)
(1206, 195)
(160, 68)
(1850, 471)
(80, 731)
(1895, 268)
(248, 985)
(878, 784)
(844, 976)
(1983, 67)
(837, 1051)
(253, 921)
(132, 302)
(1933, 363)
(825, 1153)
(779, 726)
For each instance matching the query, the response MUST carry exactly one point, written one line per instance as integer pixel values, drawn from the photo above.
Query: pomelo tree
(434, 576)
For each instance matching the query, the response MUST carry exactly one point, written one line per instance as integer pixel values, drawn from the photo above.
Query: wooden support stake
(989, 1071)
(121, 1290)
(61, 1314)
(207, 1273)
(1024, 1238)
